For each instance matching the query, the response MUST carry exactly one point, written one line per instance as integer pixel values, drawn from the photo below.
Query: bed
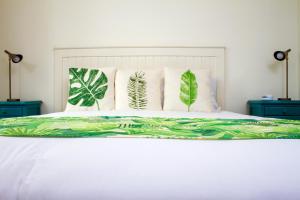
(227, 161)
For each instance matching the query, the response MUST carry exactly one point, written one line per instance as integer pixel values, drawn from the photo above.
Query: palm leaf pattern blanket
(150, 127)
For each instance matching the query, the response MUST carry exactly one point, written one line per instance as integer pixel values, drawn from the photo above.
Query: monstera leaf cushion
(91, 89)
(138, 89)
(188, 90)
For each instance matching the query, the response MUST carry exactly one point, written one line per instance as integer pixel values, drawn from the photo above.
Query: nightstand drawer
(19, 108)
(14, 111)
(282, 111)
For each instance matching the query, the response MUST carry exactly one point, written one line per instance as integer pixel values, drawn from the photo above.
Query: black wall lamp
(281, 56)
(15, 58)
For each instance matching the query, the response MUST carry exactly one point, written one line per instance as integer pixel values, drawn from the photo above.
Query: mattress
(143, 168)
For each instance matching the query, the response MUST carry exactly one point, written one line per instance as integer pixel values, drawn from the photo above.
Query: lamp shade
(15, 58)
(279, 55)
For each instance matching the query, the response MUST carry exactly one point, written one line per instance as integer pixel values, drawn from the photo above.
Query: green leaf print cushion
(89, 89)
(188, 89)
(138, 89)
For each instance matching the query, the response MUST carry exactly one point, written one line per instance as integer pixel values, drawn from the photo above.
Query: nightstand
(275, 109)
(19, 109)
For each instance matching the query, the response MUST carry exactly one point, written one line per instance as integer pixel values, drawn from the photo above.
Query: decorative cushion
(138, 89)
(91, 89)
(188, 90)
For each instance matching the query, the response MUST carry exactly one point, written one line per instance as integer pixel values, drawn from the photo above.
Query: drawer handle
(4, 113)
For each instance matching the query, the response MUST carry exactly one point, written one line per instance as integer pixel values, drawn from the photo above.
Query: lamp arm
(8, 53)
(9, 78)
(287, 76)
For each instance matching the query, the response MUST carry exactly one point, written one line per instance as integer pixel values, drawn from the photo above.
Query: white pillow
(91, 89)
(138, 89)
(188, 90)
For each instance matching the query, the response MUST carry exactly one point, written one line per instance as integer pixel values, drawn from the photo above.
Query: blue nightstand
(275, 109)
(19, 109)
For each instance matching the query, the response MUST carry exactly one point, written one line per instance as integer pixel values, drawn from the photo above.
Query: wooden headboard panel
(120, 57)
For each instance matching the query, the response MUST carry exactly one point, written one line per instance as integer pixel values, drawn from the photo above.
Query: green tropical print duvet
(150, 127)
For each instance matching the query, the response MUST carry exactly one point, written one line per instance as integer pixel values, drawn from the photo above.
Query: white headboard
(119, 57)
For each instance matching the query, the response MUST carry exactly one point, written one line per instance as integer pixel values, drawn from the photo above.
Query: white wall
(251, 30)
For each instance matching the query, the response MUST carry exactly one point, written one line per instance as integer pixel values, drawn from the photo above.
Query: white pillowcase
(138, 89)
(188, 90)
(91, 89)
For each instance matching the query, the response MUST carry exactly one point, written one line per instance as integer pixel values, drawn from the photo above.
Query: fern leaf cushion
(188, 90)
(91, 89)
(138, 89)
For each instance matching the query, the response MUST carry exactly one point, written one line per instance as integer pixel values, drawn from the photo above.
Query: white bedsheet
(118, 168)
(171, 114)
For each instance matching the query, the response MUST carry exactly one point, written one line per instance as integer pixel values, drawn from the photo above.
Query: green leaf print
(136, 88)
(188, 88)
(87, 86)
